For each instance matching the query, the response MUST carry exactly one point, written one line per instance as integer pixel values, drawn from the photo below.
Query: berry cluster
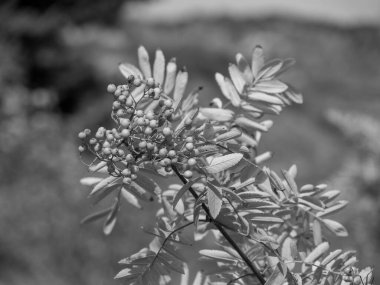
(142, 135)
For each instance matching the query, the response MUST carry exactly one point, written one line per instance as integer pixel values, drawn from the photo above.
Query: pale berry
(81, 148)
(167, 131)
(163, 152)
(172, 153)
(125, 122)
(125, 133)
(129, 157)
(189, 146)
(188, 174)
(148, 131)
(111, 88)
(191, 162)
(142, 144)
(127, 180)
(82, 135)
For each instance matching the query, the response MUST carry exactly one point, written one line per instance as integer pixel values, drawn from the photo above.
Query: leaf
(126, 273)
(106, 182)
(317, 232)
(144, 64)
(171, 70)
(257, 60)
(335, 227)
(224, 162)
(220, 115)
(232, 134)
(130, 198)
(208, 132)
(289, 251)
(159, 67)
(217, 254)
(128, 69)
(331, 257)
(278, 275)
(245, 138)
(270, 86)
(219, 78)
(96, 216)
(251, 125)
(293, 95)
(256, 203)
(329, 196)
(169, 262)
(180, 86)
(208, 149)
(183, 190)
(270, 69)
(311, 202)
(148, 184)
(237, 78)
(244, 68)
(290, 180)
(214, 200)
(263, 97)
(334, 208)
(266, 219)
(98, 167)
(111, 219)
(316, 253)
(90, 181)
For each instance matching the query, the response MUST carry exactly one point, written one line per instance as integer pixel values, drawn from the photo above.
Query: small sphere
(120, 113)
(196, 152)
(87, 132)
(135, 169)
(133, 176)
(111, 88)
(122, 98)
(107, 151)
(110, 137)
(153, 123)
(174, 160)
(163, 152)
(150, 145)
(129, 157)
(137, 82)
(125, 133)
(189, 146)
(129, 102)
(82, 135)
(81, 148)
(148, 131)
(189, 139)
(357, 280)
(172, 153)
(157, 91)
(127, 180)
(120, 152)
(141, 121)
(142, 144)
(149, 115)
(150, 82)
(188, 174)
(125, 122)
(191, 162)
(126, 172)
(139, 113)
(167, 131)
(168, 103)
(188, 122)
(116, 105)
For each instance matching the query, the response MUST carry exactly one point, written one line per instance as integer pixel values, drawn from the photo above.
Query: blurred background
(57, 57)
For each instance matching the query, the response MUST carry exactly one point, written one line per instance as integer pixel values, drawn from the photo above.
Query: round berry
(150, 82)
(168, 103)
(189, 139)
(125, 133)
(133, 176)
(188, 122)
(137, 82)
(142, 144)
(163, 152)
(116, 105)
(157, 91)
(93, 141)
(125, 122)
(357, 280)
(107, 151)
(172, 153)
(82, 135)
(189, 146)
(191, 162)
(153, 123)
(127, 180)
(129, 157)
(135, 169)
(167, 161)
(139, 113)
(129, 102)
(120, 152)
(148, 131)
(81, 148)
(141, 121)
(110, 137)
(111, 88)
(126, 172)
(174, 160)
(196, 152)
(167, 131)
(149, 115)
(188, 174)
(120, 113)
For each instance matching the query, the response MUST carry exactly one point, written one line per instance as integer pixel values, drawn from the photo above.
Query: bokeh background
(56, 58)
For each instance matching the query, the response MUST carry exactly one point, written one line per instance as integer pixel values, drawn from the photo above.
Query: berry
(137, 82)
(189, 139)
(172, 153)
(110, 137)
(168, 103)
(139, 113)
(129, 157)
(87, 132)
(129, 102)
(163, 152)
(125, 133)
(357, 280)
(107, 151)
(148, 131)
(167, 131)
(125, 122)
(141, 121)
(135, 169)
(127, 180)
(188, 174)
(157, 91)
(142, 144)
(153, 123)
(167, 161)
(122, 98)
(174, 160)
(116, 105)
(81, 148)
(191, 162)
(82, 135)
(133, 176)
(189, 146)
(111, 88)
(149, 115)
(126, 172)
(150, 82)
(188, 122)
(120, 113)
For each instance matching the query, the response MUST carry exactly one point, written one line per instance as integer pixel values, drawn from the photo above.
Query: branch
(223, 231)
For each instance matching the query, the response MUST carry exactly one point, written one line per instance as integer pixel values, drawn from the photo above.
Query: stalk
(255, 270)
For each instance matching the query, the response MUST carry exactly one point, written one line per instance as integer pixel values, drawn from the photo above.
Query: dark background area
(57, 57)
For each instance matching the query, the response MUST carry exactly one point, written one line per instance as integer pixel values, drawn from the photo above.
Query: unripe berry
(120, 152)
(142, 144)
(137, 82)
(106, 144)
(110, 137)
(174, 160)
(133, 176)
(149, 115)
(148, 131)
(191, 162)
(118, 92)
(129, 157)
(168, 103)
(120, 113)
(125, 122)
(135, 169)
(122, 98)
(126, 172)
(357, 280)
(125, 133)
(97, 147)
(189, 146)
(157, 91)
(188, 174)
(163, 152)
(196, 152)
(116, 105)
(82, 135)
(87, 132)
(167, 131)
(189, 139)
(172, 153)
(127, 180)
(150, 82)
(129, 102)
(153, 123)
(141, 121)
(107, 151)
(81, 148)
(111, 88)
(139, 113)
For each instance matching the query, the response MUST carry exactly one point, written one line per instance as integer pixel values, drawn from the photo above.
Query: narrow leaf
(224, 162)
(130, 198)
(128, 69)
(159, 67)
(257, 60)
(335, 227)
(270, 86)
(232, 134)
(244, 68)
(249, 124)
(171, 70)
(183, 190)
(96, 216)
(144, 64)
(220, 115)
(180, 86)
(237, 77)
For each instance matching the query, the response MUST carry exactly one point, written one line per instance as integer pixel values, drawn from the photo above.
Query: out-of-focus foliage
(71, 59)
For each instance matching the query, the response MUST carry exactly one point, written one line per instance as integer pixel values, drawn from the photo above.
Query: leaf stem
(222, 230)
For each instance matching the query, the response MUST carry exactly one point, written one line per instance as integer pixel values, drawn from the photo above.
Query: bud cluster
(142, 135)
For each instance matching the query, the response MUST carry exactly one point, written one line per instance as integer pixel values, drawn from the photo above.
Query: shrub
(267, 229)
